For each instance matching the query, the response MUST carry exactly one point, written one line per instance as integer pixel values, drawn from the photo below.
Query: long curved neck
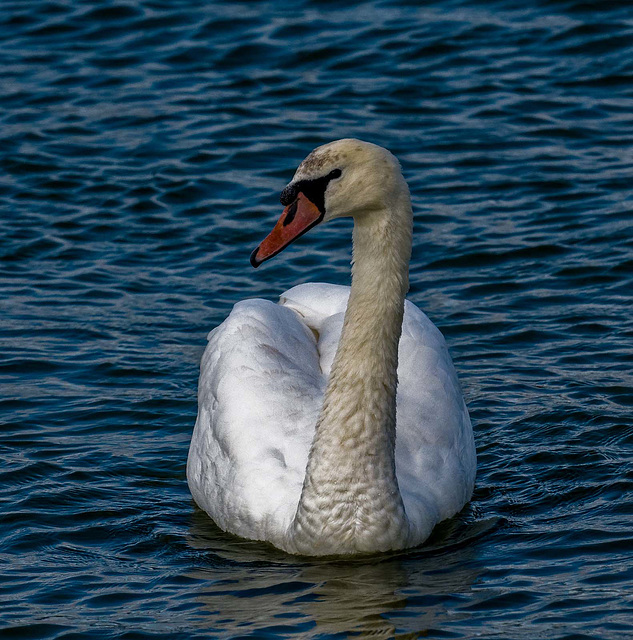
(350, 500)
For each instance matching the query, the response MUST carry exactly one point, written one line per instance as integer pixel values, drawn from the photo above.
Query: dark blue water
(142, 149)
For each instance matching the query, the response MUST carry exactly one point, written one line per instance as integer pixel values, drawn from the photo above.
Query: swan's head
(343, 178)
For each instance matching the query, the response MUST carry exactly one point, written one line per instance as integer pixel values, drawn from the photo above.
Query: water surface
(143, 146)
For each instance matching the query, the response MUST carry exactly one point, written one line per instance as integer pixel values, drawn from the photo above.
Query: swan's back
(262, 380)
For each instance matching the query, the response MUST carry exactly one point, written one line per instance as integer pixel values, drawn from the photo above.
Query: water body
(143, 146)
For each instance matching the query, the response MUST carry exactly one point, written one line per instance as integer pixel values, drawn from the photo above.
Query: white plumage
(263, 381)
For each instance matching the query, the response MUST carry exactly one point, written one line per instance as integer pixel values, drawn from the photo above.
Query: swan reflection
(249, 587)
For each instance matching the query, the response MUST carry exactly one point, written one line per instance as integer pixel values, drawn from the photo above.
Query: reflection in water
(363, 597)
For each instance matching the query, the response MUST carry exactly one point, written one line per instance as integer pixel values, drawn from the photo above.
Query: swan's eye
(314, 190)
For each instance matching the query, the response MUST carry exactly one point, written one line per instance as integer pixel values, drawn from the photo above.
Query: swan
(333, 423)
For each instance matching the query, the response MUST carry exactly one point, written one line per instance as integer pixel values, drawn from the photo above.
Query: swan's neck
(350, 500)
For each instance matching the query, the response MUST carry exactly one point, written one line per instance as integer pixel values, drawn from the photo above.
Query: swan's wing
(259, 395)
(316, 302)
(322, 308)
(435, 450)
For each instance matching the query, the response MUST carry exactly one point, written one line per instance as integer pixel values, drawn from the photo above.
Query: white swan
(297, 440)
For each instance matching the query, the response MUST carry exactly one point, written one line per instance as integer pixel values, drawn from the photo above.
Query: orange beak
(298, 217)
